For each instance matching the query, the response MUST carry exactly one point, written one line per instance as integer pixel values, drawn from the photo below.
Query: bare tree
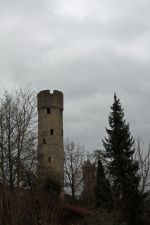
(18, 146)
(46, 208)
(18, 135)
(2, 162)
(26, 131)
(7, 140)
(143, 157)
(74, 157)
(23, 206)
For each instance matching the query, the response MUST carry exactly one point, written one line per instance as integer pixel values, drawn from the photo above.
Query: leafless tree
(74, 157)
(18, 135)
(23, 206)
(143, 157)
(26, 131)
(2, 158)
(18, 146)
(46, 208)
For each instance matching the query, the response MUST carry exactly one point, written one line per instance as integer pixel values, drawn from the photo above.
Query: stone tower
(89, 179)
(50, 135)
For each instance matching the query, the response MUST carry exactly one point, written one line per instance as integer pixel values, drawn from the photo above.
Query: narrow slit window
(49, 159)
(44, 142)
(48, 110)
(51, 131)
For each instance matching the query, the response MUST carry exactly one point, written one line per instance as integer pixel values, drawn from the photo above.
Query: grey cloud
(88, 51)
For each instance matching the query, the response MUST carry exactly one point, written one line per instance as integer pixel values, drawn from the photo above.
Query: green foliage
(103, 197)
(122, 168)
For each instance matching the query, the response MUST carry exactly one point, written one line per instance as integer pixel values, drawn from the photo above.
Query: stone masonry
(50, 135)
(89, 179)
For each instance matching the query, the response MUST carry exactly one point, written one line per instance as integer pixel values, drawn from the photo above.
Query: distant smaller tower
(89, 179)
(50, 135)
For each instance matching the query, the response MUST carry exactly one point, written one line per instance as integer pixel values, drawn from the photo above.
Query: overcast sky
(88, 49)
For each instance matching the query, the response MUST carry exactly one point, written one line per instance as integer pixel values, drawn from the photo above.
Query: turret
(50, 135)
(88, 193)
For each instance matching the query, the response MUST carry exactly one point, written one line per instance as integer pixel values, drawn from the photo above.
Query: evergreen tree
(122, 168)
(103, 197)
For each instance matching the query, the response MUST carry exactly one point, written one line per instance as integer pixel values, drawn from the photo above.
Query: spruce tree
(121, 166)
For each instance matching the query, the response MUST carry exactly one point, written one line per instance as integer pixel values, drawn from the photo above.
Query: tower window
(48, 110)
(51, 131)
(49, 159)
(44, 142)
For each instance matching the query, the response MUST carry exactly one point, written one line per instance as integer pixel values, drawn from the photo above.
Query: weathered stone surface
(50, 135)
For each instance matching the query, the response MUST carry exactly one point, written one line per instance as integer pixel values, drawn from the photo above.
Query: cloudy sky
(88, 49)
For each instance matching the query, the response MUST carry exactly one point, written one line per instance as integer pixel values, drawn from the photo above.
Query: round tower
(89, 180)
(50, 135)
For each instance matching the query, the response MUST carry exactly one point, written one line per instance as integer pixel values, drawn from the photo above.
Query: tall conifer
(122, 168)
